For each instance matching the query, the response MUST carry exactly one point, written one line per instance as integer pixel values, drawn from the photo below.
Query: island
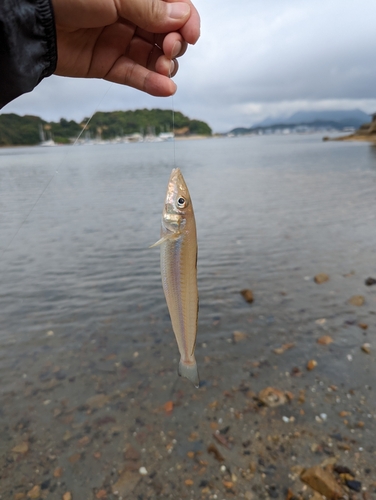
(115, 126)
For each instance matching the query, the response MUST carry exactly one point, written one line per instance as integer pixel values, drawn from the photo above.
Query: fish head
(177, 203)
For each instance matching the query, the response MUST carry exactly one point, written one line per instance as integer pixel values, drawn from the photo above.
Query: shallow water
(76, 224)
(270, 211)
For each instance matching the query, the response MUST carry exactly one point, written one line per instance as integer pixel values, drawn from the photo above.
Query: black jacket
(27, 46)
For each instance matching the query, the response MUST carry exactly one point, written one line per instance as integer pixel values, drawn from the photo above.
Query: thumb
(157, 16)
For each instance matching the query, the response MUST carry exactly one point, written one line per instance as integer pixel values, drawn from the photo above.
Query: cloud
(254, 59)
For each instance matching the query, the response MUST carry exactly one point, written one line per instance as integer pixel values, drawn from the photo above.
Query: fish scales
(179, 270)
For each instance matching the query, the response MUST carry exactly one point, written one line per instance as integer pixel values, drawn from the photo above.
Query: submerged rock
(272, 397)
(357, 300)
(370, 281)
(247, 295)
(323, 482)
(321, 278)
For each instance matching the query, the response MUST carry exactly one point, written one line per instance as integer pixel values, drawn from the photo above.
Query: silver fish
(179, 270)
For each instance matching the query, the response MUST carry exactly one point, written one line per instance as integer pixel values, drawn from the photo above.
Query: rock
(366, 348)
(323, 482)
(247, 295)
(168, 407)
(125, 484)
(283, 348)
(272, 397)
(357, 300)
(101, 494)
(321, 278)
(354, 485)
(311, 364)
(67, 496)
(34, 492)
(19, 496)
(238, 336)
(363, 326)
(58, 472)
(370, 281)
(143, 471)
(213, 450)
(97, 401)
(83, 441)
(325, 340)
(74, 458)
(21, 448)
(131, 453)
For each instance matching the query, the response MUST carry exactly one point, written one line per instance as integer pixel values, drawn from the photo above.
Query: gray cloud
(255, 58)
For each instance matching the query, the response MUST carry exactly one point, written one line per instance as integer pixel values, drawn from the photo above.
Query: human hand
(131, 42)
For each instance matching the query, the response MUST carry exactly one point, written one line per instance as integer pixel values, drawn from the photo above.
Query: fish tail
(189, 371)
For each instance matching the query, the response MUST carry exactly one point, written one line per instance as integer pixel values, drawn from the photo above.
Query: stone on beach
(312, 363)
(125, 484)
(323, 482)
(34, 492)
(325, 340)
(247, 295)
(21, 448)
(357, 300)
(366, 348)
(370, 281)
(321, 278)
(272, 397)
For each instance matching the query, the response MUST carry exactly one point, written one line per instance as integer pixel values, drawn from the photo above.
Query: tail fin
(190, 372)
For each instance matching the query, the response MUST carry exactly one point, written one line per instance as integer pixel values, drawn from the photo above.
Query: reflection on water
(269, 211)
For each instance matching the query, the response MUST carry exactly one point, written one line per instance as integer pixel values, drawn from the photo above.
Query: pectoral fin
(164, 238)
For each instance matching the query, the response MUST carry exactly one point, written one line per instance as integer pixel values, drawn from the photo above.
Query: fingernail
(178, 10)
(176, 49)
(172, 68)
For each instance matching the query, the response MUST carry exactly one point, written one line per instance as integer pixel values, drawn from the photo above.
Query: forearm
(27, 46)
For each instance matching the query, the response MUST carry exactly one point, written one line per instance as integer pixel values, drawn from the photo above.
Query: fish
(178, 244)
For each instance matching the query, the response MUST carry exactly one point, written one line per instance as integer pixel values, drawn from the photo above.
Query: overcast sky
(255, 58)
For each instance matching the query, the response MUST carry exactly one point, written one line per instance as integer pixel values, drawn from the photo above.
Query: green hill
(18, 130)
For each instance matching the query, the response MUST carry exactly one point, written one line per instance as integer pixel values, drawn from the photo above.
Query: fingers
(127, 72)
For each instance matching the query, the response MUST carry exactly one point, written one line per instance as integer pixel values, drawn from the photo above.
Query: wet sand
(100, 422)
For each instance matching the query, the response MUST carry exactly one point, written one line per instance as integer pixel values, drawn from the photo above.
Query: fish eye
(181, 203)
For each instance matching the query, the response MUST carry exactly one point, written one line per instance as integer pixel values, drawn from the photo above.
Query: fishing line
(54, 174)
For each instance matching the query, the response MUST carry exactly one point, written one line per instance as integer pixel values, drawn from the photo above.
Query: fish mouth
(176, 181)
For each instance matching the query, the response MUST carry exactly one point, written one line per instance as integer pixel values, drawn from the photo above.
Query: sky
(255, 59)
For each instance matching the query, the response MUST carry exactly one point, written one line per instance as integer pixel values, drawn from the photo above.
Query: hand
(131, 42)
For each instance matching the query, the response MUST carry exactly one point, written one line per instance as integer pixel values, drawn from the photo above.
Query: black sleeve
(27, 46)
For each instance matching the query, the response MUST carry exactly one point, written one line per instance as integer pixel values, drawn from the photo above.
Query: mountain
(347, 118)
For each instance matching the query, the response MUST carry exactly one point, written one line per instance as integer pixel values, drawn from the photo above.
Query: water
(268, 210)
(271, 212)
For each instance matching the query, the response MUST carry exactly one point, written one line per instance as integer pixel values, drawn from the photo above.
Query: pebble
(247, 295)
(366, 348)
(370, 281)
(34, 492)
(311, 364)
(321, 278)
(238, 336)
(67, 496)
(354, 485)
(357, 300)
(272, 397)
(325, 340)
(21, 448)
(143, 471)
(58, 472)
(323, 482)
